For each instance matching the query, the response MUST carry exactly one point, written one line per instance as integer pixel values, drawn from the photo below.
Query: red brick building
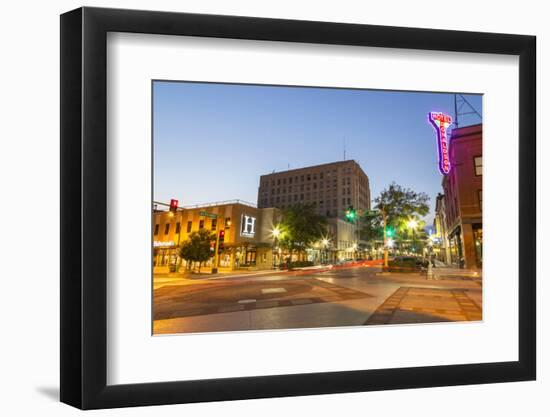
(463, 189)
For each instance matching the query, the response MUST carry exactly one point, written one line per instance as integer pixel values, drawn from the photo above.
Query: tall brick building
(463, 188)
(331, 187)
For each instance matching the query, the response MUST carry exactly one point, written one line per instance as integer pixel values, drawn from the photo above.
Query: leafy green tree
(397, 207)
(300, 227)
(372, 229)
(197, 247)
(400, 204)
(411, 234)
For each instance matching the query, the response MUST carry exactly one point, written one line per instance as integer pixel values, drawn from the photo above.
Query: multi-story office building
(463, 197)
(332, 187)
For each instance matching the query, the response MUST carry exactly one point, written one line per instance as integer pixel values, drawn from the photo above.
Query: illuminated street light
(412, 224)
(276, 233)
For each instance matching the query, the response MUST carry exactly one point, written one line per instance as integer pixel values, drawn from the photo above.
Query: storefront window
(478, 242)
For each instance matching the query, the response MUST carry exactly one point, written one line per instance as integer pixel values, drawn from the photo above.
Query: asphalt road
(338, 297)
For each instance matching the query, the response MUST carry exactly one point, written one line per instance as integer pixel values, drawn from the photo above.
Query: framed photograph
(257, 208)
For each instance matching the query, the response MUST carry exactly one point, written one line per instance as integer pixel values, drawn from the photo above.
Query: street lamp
(276, 232)
(325, 243)
(412, 224)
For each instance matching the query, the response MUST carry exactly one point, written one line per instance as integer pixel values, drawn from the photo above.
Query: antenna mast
(344, 148)
(463, 108)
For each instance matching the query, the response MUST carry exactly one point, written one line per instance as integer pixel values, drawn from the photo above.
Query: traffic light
(351, 214)
(390, 231)
(173, 205)
(220, 242)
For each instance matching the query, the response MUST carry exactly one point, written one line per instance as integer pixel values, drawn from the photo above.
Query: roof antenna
(460, 110)
(288, 167)
(344, 148)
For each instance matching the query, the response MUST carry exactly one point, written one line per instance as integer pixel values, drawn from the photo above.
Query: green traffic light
(351, 213)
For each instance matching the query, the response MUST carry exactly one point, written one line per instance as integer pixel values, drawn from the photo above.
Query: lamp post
(412, 224)
(325, 243)
(276, 232)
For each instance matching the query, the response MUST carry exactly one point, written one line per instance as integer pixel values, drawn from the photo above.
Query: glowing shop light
(441, 123)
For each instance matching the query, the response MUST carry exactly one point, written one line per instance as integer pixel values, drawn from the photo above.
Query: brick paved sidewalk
(426, 305)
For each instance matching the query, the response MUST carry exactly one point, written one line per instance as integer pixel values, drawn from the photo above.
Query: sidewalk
(456, 273)
(160, 280)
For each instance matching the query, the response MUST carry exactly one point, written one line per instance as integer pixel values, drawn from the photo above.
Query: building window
(156, 229)
(480, 197)
(478, 165)
(214, 224)
(201, 224)
(167, 228)
(227, 222)
(189, 226)
(178, 228)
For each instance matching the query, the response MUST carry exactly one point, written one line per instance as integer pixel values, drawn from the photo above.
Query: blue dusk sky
(213, 141)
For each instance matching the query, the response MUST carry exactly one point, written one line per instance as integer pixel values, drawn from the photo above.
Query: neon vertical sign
(441, 123)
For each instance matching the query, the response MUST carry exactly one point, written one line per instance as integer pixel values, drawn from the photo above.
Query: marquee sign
(248, 226)
(441, 123)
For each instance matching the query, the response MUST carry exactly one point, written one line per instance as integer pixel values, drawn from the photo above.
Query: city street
(341, 296)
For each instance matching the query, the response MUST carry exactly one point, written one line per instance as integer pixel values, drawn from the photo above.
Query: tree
(398, 207)
(371, 228)
(197, 247)
(300, 227)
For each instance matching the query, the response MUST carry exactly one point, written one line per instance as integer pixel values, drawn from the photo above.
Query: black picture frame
(84, 207)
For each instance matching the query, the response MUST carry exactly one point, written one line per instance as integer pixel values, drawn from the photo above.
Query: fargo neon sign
(441, 122)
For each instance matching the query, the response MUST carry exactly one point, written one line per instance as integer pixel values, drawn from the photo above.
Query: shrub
(300, 264)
